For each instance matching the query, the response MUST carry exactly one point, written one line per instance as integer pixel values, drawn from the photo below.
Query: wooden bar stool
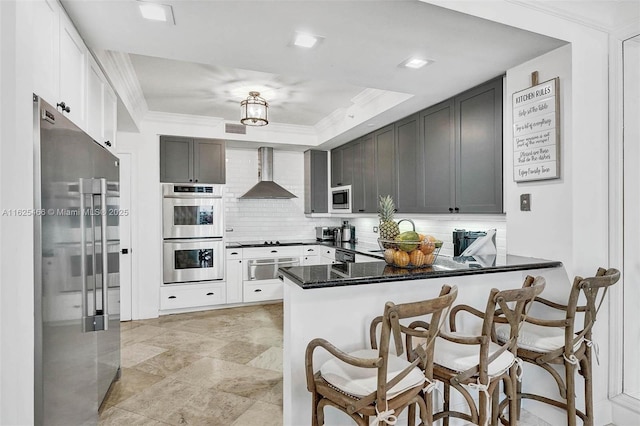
(375, 382)
(546, 342)
(478, 362)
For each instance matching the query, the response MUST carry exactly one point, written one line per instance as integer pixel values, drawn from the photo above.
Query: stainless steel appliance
(267, 269)
(193, 226)
(188, 260)
(341, 199)
(462, 239)
(324, 233)
(344, 256)
(348, 232)
(192, 211)
(77, 290)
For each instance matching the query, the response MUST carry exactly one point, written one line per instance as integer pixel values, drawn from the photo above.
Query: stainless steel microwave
(341, 199)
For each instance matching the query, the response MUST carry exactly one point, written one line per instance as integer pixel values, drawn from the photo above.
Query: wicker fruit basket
(410, 253)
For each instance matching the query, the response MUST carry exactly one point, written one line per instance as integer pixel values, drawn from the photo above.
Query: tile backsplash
(267, 219)
(282, 220)
(438, 226)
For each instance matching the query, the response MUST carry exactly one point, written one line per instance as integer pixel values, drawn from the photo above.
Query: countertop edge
(426, 275)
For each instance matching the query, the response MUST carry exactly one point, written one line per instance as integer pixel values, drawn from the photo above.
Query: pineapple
(388, 227)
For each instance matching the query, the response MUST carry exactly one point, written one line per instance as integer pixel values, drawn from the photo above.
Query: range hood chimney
(266, 187)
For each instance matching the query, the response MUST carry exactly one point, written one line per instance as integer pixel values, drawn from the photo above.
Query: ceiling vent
(235, 128)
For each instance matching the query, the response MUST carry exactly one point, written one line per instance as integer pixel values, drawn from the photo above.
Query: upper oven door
(192, 217)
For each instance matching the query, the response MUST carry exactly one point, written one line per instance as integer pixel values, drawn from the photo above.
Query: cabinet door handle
(450, 210)
(172, 297)
(107, 143)
(239, 261)
(64, 107)
(257, 290)
(360, 210)
(274, 251)
(210, 294)
(190, 180)
(196, 180)
(309, 249)
(234, 252)
(457, 209)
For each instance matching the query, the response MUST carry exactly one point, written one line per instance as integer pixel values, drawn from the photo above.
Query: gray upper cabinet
(384, 140)
(478, 136)
(209, 161)
(176, 163)
(316, 186)
(185, 160)
(444, 159)
(336, 166)
(363, 187)
(437, 138)
(410, 166)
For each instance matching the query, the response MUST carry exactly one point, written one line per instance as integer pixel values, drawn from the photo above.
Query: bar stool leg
(570, 385)
(585, 370)
(445, 405)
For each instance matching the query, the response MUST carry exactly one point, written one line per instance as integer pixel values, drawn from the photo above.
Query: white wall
(545, 231)
(16, 192)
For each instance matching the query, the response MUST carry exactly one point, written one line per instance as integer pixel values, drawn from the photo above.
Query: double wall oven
(193, 226)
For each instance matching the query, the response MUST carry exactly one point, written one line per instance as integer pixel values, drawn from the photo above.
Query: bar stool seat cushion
(459, 357)
(361, 382)
(537, 338)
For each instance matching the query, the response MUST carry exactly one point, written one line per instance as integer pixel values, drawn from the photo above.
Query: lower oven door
(193, 260)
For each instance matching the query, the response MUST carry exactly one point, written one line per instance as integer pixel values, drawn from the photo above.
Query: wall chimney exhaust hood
(266, 187)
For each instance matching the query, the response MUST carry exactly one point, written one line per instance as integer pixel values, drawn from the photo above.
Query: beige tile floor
(218, 367)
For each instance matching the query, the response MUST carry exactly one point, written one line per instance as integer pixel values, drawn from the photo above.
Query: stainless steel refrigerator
(77, 282)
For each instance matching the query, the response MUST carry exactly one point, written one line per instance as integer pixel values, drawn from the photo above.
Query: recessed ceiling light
(156, 12)
(306, 40)
(415, 63)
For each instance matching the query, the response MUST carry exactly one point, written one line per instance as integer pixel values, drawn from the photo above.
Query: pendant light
(254, 110)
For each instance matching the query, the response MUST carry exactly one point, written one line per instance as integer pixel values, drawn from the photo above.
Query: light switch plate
(525, 202)
(375, 229)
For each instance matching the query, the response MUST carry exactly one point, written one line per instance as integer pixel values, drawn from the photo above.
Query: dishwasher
(261, 280)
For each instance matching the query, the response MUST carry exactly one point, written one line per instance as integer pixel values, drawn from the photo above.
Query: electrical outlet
(375, 229)
(525, 202)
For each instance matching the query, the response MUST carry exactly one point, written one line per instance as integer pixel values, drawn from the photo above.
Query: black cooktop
(267, 243)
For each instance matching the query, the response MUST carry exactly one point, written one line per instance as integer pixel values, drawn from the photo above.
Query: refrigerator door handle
(87, 321)
(105, 253)
(96, 320)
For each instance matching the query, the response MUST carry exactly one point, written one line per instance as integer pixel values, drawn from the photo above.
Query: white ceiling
(219, 50)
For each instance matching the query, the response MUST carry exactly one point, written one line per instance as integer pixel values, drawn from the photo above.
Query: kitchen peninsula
(337, 302)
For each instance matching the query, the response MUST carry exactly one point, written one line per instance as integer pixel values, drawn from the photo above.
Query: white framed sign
(536, 132)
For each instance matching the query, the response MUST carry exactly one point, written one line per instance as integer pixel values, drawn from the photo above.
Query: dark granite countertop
(360, 248)
(346, 274)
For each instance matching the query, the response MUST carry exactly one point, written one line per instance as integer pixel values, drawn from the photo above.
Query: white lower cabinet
(234, 275)
(327, 255)
(192, 295)
(264, 290)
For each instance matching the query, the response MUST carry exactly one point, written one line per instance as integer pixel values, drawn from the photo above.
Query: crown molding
(119, 69)
(548, 8)
(183, 119)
